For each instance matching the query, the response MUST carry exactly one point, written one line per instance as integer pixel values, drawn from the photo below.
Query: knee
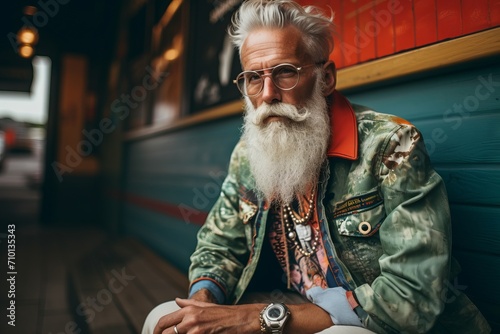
(155, 315)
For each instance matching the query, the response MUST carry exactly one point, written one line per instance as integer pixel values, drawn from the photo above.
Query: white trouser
(169, 307)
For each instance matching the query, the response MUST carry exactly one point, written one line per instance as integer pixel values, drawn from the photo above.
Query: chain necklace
(300, 228)
(301, 221)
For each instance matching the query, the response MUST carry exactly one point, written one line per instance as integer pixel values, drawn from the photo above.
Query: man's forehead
(266, 47)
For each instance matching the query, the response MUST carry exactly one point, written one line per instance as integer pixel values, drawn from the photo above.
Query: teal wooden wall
(458, 112)
(172, 181)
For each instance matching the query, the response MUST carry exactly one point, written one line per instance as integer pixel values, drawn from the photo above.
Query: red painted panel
(425, 22)
(336, 56)
(349, 48)
(494, 13)
(187, 214)
(384, 25)
(366, 30)
(474, 15)
(449, 19)
(404, 27)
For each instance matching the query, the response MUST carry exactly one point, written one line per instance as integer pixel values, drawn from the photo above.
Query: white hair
(317, 29)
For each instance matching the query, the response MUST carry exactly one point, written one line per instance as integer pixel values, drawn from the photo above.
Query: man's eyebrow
(272, 67)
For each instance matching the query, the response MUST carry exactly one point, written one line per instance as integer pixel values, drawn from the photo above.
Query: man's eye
(285, 71)
(253, 78)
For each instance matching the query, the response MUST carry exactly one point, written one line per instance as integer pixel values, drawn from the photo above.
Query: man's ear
(330, 77)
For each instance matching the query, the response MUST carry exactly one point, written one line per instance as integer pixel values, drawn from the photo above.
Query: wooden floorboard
(127, 294)
(42, 258)
(118, 284)
(175, 277)
(95, 303)
(160, 281)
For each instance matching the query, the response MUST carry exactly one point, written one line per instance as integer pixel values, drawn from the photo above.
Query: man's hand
(197, 317)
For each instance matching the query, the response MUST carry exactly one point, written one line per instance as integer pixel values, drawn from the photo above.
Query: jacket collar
(344, 129)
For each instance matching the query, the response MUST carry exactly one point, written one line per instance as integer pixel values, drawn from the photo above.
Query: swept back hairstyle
(317, 29)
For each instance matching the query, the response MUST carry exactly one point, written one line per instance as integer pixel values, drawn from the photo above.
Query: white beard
(285, 156)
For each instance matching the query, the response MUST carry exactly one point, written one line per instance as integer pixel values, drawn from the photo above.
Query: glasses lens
(249, 83)
(285, 76)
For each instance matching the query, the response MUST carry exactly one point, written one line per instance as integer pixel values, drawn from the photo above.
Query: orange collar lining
(344, 137)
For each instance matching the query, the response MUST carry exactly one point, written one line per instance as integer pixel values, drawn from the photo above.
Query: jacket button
(364, 228)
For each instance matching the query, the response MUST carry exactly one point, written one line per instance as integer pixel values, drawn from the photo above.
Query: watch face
(275, 312)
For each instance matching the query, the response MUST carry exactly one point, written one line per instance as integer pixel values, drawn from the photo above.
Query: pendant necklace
(301, 229)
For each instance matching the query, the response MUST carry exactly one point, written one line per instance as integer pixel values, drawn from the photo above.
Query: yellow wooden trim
(455, 51)
(228, 109)
(479, 45)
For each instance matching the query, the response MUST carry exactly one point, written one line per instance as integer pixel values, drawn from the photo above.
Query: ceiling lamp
(27, 36)
(26, 51)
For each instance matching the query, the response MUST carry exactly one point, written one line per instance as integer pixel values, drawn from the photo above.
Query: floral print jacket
(383, 211)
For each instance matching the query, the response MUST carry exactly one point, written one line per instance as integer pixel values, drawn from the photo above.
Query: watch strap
(261, 319)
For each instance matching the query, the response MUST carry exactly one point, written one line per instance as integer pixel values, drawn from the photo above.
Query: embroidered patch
(357, 204)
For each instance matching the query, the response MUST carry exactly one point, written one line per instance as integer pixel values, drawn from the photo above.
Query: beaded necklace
(300, 227)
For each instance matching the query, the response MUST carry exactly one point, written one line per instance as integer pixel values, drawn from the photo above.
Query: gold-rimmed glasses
(284, 76)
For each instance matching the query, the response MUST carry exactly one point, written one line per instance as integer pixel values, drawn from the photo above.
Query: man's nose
(270, 93)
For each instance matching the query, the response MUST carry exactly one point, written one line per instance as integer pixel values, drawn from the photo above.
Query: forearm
(307, 318)
(304, 318)
(204, 295)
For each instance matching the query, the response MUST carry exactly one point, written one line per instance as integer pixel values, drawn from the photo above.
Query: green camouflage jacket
(378, 172)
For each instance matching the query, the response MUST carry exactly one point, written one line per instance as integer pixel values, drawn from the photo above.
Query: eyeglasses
(284, 76)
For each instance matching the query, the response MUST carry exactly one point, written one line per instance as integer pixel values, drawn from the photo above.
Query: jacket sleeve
(222, 249)
(409, 293)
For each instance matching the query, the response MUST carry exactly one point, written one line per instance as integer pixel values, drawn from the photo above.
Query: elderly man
(340, 199)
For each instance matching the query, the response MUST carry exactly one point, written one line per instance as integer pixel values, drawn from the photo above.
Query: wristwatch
(273, 318)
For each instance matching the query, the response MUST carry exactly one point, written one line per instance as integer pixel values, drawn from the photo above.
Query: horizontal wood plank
(192, 159)
(476, 228)
(443, 98)
(173, 239)
(471, 184)
(474, 139)
(480, 275)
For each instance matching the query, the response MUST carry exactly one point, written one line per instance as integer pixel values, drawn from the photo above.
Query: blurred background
(117, 120)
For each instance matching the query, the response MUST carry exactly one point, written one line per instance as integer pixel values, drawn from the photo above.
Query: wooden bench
(113, 288)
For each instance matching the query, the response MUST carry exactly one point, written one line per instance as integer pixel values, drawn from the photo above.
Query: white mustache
(279, 109)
